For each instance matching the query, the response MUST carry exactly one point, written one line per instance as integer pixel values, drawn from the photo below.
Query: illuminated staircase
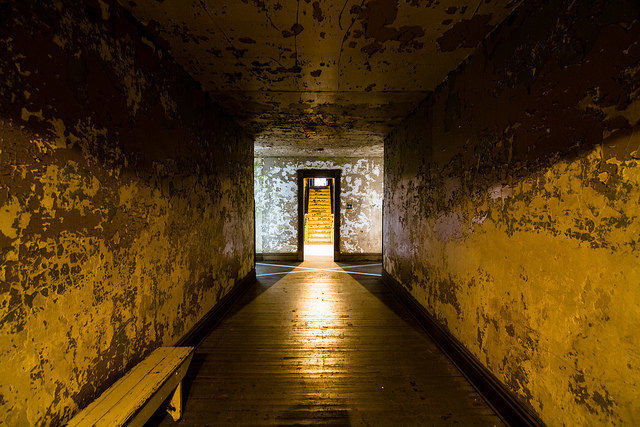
(319, 219)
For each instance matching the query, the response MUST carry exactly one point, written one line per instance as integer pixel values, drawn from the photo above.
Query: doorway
(318, 214)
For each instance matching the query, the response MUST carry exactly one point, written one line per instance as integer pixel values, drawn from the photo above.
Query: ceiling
(319, 77)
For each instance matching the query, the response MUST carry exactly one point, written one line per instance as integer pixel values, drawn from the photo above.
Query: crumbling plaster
(332, 74)
(511, 208)
(126, 204)
(276, 195)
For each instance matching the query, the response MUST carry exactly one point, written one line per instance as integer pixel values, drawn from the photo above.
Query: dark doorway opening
(316, 183)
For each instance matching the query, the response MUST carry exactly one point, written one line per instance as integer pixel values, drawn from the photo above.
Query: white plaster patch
(479, 219)
(448, 226)
(499, 191)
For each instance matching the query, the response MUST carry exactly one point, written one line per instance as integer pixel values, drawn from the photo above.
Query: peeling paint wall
(126, 204)
(276, 199)
(336, 74)
(512, 208)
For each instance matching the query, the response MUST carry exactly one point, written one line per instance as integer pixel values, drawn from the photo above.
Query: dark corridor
(325, 343)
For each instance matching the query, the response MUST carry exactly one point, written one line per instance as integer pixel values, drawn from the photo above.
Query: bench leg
(175, 404)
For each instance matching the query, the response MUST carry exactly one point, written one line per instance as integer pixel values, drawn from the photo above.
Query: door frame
(319, 173)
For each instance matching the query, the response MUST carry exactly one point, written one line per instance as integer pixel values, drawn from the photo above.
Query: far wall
(277, 203)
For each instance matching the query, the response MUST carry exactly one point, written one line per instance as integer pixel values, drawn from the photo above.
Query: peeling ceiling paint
(307, 75)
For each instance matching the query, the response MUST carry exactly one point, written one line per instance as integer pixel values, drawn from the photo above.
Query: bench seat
(134, 398)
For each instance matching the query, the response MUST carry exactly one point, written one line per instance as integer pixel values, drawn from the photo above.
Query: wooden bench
(134, 398)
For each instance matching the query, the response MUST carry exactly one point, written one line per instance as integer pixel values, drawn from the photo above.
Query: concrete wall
(126, 204)
(512, 208)
(276, 195)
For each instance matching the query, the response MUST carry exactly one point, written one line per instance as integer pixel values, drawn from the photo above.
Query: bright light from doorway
(319, 182)
(318, 251)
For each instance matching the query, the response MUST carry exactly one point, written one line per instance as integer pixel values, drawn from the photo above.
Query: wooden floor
(324, 346)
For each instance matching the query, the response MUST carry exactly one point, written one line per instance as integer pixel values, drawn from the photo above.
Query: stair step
(319, 219)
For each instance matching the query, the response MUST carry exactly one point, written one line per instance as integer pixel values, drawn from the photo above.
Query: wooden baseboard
(377, 257)
(195, 335)
(497, 395)
(361, 257)
(277, 257)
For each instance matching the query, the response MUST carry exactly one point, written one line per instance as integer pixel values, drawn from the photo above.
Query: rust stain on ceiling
(305, 75)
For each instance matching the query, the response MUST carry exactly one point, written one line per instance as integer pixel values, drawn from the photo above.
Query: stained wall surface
(126, 204)
(512, 208)
(276, 199)
(336, 74)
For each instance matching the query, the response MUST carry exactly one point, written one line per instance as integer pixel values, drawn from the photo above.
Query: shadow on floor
(261, 285)
(330, 412)
(267, 274)
(376, 287)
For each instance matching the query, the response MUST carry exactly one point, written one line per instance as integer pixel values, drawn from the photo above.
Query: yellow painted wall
(512, 208)
(126, 204)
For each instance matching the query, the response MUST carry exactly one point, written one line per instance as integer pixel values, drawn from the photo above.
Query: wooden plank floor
(324, 347)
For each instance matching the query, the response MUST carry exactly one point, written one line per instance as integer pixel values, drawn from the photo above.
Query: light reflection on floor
(325, 343)
(351, 269)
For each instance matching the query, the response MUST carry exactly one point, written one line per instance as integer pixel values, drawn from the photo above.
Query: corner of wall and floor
(511, 208)
(126, 204)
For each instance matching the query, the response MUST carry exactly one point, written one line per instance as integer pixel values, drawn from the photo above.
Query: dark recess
(217, 313)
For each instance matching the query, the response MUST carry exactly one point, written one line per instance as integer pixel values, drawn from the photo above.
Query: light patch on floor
(320, 346)
(299, 269)
(318, 251)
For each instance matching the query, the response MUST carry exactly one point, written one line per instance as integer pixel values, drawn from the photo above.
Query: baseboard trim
(361, 257)
(277, 257)
(497, 395)
(343, 257)
(195, 335)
